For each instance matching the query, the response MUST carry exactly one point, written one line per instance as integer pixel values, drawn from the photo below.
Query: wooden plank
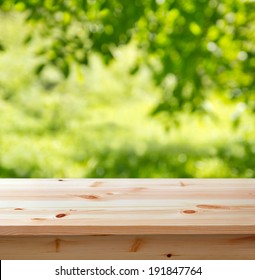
(126, 206)
(146, 247)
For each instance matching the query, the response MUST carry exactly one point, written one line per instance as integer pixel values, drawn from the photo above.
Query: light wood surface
(126, 206)
(122, 247)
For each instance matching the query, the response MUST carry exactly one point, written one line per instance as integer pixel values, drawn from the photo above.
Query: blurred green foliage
(192, 47)
(120, 63)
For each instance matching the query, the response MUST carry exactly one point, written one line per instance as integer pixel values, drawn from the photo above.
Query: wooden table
(127, 219)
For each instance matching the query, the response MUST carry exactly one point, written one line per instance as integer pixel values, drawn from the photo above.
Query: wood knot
(91, 196)
(182, 184)
(112, 193)
(38, 219)
(169, 255)
(96, 184)
(61, 215)
(189, 211)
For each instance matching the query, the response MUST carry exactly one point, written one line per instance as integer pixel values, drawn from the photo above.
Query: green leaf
(39, 68)
(28, 39)
(2, 48)
(134, 69)
(164, 106)
(65, 68)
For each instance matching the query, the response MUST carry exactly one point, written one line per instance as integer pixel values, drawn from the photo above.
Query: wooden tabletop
(126, 206)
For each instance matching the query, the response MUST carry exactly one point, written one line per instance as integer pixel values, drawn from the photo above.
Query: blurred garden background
(110, 88)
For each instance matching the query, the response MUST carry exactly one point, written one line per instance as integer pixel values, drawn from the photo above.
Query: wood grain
(128, 247)
(62, 207)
